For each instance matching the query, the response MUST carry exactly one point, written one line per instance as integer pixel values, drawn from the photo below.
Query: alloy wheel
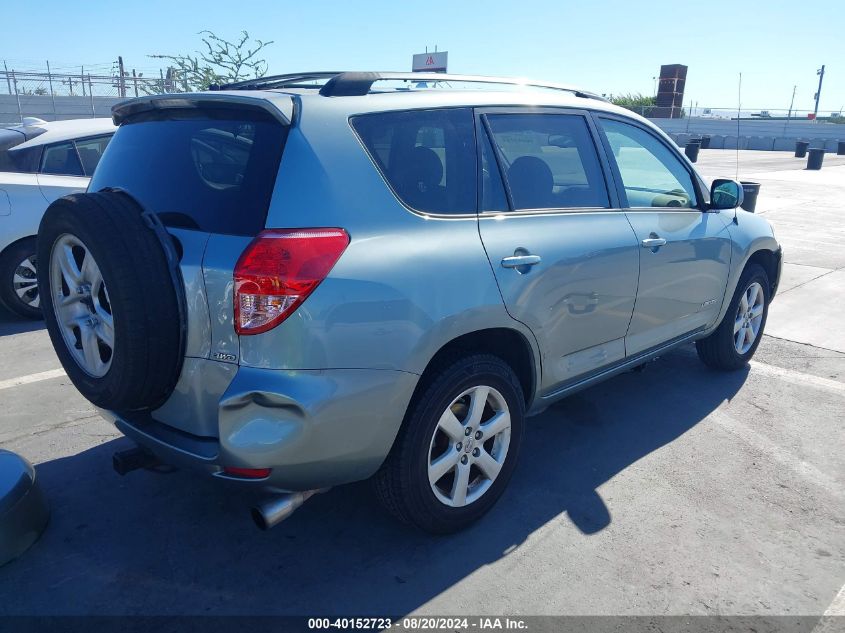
(81, 304)
(469, 446)
(25, 283)
(749, 317)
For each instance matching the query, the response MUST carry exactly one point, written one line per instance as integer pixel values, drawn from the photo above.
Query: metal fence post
(90, 92)
(52, 94)
(8, 82)
(17, 96)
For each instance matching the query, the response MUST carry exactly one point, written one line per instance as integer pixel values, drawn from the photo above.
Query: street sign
(430, 62)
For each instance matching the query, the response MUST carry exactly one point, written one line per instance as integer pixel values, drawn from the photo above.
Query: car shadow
(182, 544)
(13, 324)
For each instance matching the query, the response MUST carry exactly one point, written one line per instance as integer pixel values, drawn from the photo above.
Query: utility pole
(791, 103)
(789, 114)
(50, 83)
(820, 73)
(121, 82)
(8, 81)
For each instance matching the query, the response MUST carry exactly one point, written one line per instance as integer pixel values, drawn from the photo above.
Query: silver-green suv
(307, 280)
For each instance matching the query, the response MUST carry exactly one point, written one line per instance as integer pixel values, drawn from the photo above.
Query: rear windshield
(8, 139)
(211, 170)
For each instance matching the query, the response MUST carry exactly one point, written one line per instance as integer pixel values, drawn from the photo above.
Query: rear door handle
(521, 260)
(653, 242)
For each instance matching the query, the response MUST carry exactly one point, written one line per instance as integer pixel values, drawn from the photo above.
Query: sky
(607, 46)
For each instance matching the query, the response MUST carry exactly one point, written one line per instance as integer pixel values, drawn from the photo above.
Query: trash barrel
(801, 148)
(750, 190)
(705, 142)
(816, 157)
(840, 148)
(691, 149)
(23, 509)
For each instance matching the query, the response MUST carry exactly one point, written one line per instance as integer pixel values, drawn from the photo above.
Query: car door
(684, 250)
(563, 253)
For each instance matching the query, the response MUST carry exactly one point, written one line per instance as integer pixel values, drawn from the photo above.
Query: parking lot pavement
(676, 490)
(807, 209)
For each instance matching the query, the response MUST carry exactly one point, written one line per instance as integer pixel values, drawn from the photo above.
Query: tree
(637, 102)
(221, 61)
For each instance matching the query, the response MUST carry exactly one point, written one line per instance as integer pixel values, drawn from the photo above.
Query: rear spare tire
(110, 301)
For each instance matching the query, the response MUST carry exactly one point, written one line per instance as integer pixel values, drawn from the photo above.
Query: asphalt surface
(676, 490)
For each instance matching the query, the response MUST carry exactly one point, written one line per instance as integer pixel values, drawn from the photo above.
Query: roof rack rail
(350, 84)
(276, 81)
(360, 83)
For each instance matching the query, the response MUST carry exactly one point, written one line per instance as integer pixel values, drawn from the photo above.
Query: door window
(549, 161)
(651, 174)
(61, 159)
(493, 197)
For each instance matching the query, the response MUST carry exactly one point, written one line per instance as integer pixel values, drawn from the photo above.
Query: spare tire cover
(110, 300)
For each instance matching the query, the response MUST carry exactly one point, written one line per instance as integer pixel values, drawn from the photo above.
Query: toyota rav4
(306, 280)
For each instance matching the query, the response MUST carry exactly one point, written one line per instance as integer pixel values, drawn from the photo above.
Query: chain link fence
(52, 96)
(701, 112)
(24, 83)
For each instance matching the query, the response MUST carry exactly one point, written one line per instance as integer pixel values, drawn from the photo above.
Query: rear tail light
(277, 272)
(247, 473)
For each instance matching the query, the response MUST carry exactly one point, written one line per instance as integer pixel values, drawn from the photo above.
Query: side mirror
(726, 194)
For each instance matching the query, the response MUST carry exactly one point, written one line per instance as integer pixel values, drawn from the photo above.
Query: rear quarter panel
(407, 283)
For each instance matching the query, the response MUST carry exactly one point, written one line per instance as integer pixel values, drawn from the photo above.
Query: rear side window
(549, 161)
(428, 157)
(206, 169)
(90, 151)
(61, 159)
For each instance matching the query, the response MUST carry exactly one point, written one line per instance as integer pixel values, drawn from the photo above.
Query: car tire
(18, 283)
(734, 342)
(409, 484)
(109, 300)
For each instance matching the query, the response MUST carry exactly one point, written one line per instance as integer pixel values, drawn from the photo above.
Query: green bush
(634, 102)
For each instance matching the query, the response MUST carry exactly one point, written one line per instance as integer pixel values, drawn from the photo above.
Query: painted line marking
(837, 607)
(797, 377)
(831, 620)
(30, 378)
(763, 444)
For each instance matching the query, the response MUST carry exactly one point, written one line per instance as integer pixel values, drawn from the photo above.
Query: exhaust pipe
(131, 459)
(273, 511)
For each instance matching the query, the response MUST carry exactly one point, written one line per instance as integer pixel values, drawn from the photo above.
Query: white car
(39, 162)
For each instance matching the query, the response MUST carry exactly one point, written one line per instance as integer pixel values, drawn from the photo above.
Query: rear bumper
(314, 429)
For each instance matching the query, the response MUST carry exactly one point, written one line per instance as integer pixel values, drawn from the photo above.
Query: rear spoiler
(279, 106)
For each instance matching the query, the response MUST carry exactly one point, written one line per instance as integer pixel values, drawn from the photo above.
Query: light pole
(820, 73)
(789, 114)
